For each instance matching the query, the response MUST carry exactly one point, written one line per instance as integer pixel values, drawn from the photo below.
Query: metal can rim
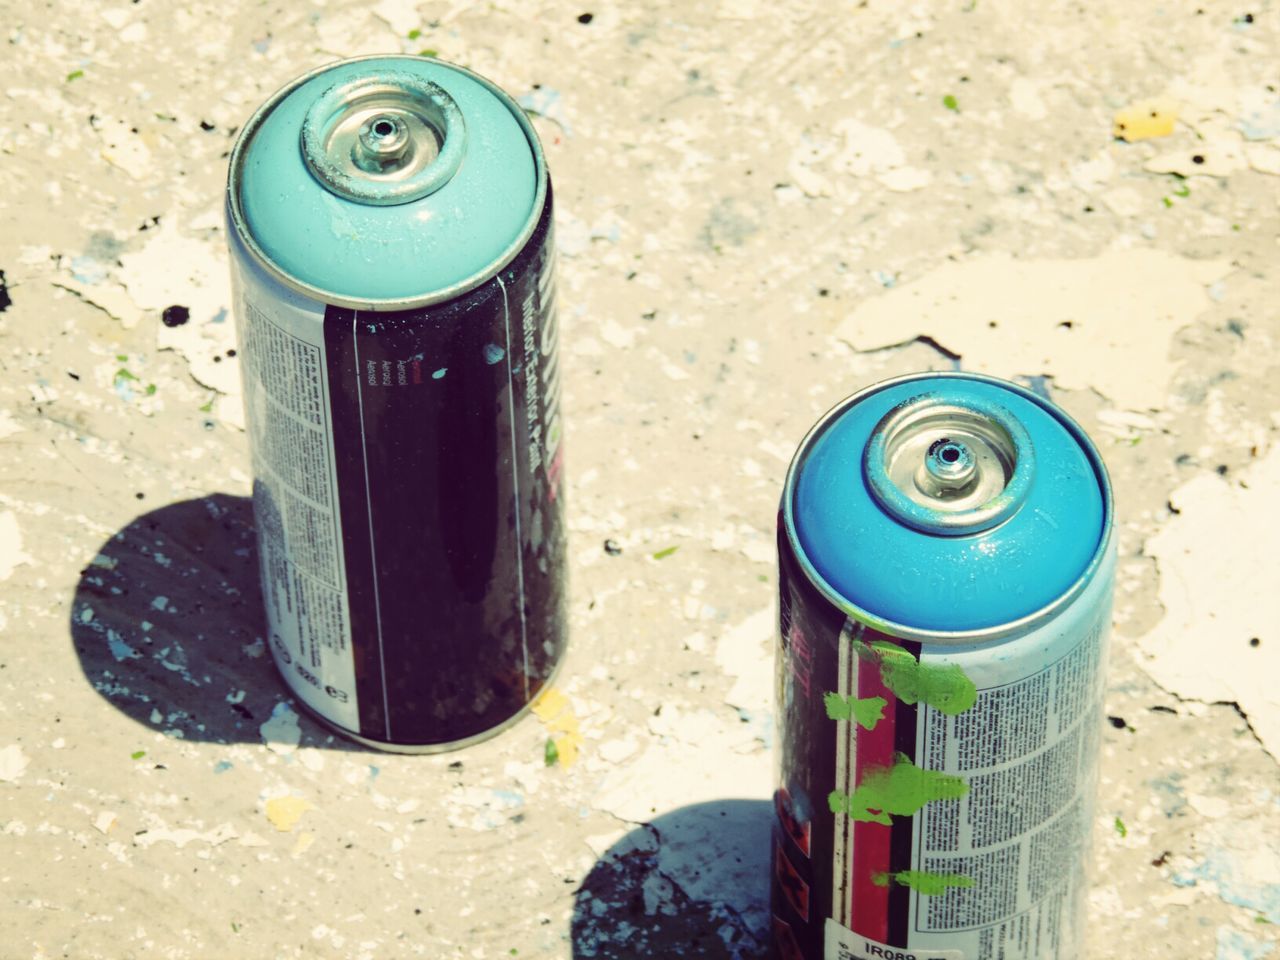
(958, 637)
(235, 214)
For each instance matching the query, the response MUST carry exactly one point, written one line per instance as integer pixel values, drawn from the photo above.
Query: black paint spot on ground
(586, 17)
(175, 316)
(5, 300)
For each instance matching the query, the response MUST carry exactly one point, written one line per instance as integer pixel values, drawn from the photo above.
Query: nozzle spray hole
(384, 128)
(949, 454)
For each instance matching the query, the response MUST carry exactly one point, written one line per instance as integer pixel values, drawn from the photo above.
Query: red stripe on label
(784, 940)
(870, 900)
(791, 883)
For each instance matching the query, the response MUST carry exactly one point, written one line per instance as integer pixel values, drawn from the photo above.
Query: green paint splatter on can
(866, 711)
(924, 882)
(945, 688)
(933, 884)
(900, 790)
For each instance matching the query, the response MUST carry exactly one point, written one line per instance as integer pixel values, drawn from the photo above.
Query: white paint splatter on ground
(700, 755)
(174, 270)
(181, 836)
(12, 555)
(13, 762)
(745, 653)
(1085, 323)
(8, 426)
(281, 732)
(1217, 558)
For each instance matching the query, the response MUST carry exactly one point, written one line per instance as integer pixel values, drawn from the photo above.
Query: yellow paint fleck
(555, 711)
(568, 747)
(285, 812)
(302, 844)
(1144, 120)
(549, 703)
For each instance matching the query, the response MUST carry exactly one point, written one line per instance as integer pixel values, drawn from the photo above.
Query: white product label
(1015, 843)
(295, 495)
(842, 944)
(999, 792)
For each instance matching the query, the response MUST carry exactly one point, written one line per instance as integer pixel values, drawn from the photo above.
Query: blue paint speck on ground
(546, 102)
(88, 270)
(1235, 875)
(1262, 123)
(439, 374)
(1170, 794)
(493, 353)
(1237, 945)
(222, 766)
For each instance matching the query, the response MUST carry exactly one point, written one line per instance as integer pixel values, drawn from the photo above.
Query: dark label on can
(447, 445)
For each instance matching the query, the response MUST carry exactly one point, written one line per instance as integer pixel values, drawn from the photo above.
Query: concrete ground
(762, 208)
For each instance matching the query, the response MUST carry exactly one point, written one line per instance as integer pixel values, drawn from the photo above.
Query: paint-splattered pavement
(762, 208)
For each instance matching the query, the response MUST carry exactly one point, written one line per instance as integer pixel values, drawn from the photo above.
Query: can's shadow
(693, 883)
(169, 627)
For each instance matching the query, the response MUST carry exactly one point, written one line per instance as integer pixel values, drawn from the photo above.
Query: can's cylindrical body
(392, 265)
(946, 573)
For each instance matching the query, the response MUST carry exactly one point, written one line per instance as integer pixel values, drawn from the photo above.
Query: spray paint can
(946, 573)
(392, 266)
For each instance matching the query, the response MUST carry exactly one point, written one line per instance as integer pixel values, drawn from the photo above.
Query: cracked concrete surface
(748, 195)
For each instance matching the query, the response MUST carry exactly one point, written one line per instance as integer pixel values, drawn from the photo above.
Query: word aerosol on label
(946, 572)
(392, 266)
